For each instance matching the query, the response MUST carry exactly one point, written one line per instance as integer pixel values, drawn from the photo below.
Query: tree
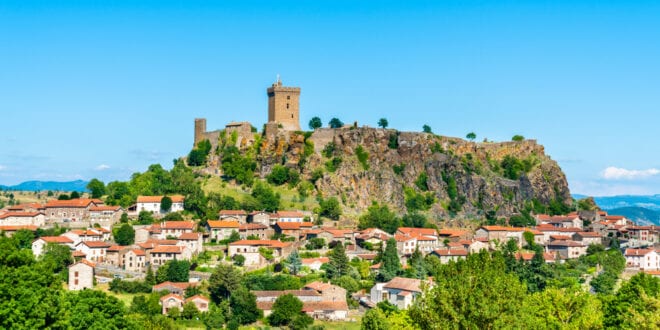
(216, 316)
(239, 260)
(243, 305)
(294, 263)
(74, 195)
(330, 208)
(285, 309)
(234, 236)
(125, 235)
(383, 123)
(338, 263)
(390, 265)
(145, 218)
(190, 311)
(56, 257)
(96, 187)
(378, 216)
(315, 123)
(471, 136)
(165, 204)
(150, 278)
(93, 309)
(559, 309)
(517, 138)
(23, 238)
(224, 280)
(374, 319)
(123, 218)
(266, 198)
(426, 129)
(279, 175)
(336, 123)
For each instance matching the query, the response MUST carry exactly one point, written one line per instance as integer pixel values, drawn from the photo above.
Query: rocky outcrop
(476, 169)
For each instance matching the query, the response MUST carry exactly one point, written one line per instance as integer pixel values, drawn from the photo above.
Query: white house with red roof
(153, 204)
(193, 241)
(94, 250)
(399, 291)
(447, 254)
(643, 259)
(290, 216)
(173, 229)
(40, 243)
(81, 275)
(161, 254)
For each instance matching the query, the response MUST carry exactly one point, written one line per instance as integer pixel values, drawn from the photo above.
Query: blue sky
(103, 89)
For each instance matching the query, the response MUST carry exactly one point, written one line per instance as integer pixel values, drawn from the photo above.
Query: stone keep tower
(284, 106)
(200, 130)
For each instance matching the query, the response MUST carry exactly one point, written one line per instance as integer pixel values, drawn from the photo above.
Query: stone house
(292, 229)
(22, 219)
(643, 235)
(106, 216)
(453, 235)
(560, 221)
(152, 204)
(135, 260)
(500, 234)
(588, 237)
(446, 255)
(68, 211)
(321, 301)
(170, 301)
(81, 275)
(260, 217)
(193, 241)
(567, 249)
(373, 236)
(221, 230)
(233, 215)
(40, 243)
(405, 245)
(250, 250)
(255, 230)
(201, 302)
(114, 255)
(164, 253)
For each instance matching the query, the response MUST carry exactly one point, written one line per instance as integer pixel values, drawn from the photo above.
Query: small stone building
(81, 275)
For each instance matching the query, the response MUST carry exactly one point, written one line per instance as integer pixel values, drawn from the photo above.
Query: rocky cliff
(453, 176)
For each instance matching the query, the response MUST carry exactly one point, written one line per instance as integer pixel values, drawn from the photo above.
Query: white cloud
(617, 173)
(102, 167)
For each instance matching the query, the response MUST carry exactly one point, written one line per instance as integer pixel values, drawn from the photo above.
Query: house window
(288, 97)
(75, 282)
(75, 274)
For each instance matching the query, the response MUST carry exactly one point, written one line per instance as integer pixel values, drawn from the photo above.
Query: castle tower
(284, 106)
(200, 130)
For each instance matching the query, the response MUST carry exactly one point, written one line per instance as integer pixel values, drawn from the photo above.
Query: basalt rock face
(476, 169)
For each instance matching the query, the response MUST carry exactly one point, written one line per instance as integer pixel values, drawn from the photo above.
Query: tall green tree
(379, 216)
(390, 264)
(93, 309)
(165, 204)
(330, 208)
(336, 123)
(426, 129)
(471, 136)
(338, 263)
(96, 187)
(125, 235)
(244, 306)
(224, 280)
(285, 309)
(268, 200)
(294, 263)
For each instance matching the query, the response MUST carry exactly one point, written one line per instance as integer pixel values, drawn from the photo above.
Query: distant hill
(651, 202)
(638, 214)
(78, 185)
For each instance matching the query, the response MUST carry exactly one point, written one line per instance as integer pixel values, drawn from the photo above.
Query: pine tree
(294, 263)
(150, 278)
(390, 265)
(416, 263)
(338, 263)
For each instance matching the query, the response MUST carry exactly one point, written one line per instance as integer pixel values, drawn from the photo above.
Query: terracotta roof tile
(223, 224)
(157, 199)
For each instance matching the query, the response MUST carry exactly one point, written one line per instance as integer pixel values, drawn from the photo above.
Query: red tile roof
(177, 225)
(157, 199)
(95, 244)
(418, 231)
(56, 239)
(232, 213)
(196, 297)
(254, 242)
(637, 252)
(252, 226)
(189, 236)
(502, 228)
(407, 284)
(105, 208)
(307, 261)
(171, 295)
(167, 249)
(15, 228)
(223, 224)
(451, 252)
(19, 214)
(138, 252)
(290, 214)
(73, 203)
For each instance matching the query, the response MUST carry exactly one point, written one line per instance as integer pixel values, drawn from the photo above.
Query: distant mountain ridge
(644, 210)
(77, 185)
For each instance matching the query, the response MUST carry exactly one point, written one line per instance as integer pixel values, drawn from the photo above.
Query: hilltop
(410, 171)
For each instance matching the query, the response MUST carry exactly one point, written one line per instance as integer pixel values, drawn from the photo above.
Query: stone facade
(284, 106)
(81, 275)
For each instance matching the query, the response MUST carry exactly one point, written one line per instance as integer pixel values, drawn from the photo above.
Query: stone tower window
(288, 97)
(287, 105)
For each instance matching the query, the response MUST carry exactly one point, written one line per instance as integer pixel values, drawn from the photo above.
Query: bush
(398, 169)
(517, 138)
(333, 164)
(330, 208)
(362, 157)
(119, 286)
(422, 181)
(393, 142)
(315, 243)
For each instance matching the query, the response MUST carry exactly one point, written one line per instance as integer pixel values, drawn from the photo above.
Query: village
(258, 240)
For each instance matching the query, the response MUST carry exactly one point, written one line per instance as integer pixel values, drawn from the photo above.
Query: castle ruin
(283, 114)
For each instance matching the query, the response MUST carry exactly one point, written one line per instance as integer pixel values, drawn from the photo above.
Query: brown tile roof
(288, 225)
(96, 244)
(407, 284)
(56, 239)
(451, 252)
(167, 249)
(588, 234)
(290, 214)
(452, 232)
(418, 231)
(73, 203)
(252, 226)
(189, 237)
(312, 306)
(196, 297)
(15, 228)
(157, 199)
(233, 213)
(502, 228)
(24, 206)
(277, 293)
(565, 243)
(254, 242)
(116, 248)
(139, 252)
(318, 286)
(637, 252)
(105, 208)
(78, 254)
(560, 237)
(223, 224)
(179, 285)
(19, 214)
(171, 295)
(177, 225)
